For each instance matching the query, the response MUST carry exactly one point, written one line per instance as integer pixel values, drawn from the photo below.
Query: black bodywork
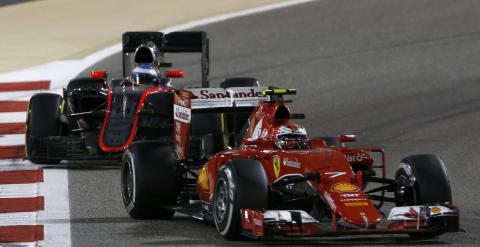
(86, 102)
(84, 116)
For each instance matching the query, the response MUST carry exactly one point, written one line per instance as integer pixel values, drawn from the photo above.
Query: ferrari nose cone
(352, 205)
(360, 213)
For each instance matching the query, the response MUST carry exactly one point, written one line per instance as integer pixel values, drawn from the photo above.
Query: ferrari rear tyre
(151, 181)
(240, 184)
(43, 114)
(431, 184)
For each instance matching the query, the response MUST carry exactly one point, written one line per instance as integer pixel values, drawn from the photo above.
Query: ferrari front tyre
(240, 184)
(431, 184)
(43, 114)
(150, 181)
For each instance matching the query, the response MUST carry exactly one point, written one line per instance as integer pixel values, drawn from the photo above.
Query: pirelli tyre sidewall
(128, 176)
(240, 184)
(43, 115)
(150, 180)
(431, 184)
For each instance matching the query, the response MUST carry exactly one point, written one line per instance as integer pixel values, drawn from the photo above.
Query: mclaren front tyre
(43, 115)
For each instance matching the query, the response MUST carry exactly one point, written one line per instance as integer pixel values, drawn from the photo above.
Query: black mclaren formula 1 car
(98, 119)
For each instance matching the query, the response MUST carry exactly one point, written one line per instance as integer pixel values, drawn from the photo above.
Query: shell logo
(436, 210)
(345, 188)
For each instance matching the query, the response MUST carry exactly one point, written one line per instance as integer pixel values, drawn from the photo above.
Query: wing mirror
(98, 74)
(347, 138)
(174, 73)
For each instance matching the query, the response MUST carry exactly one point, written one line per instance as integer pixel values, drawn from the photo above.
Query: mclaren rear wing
(210, 100)
(175, 42)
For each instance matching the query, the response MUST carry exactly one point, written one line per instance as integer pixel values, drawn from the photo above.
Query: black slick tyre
(240, 82)
(43, 114)
(150, 181)
(240, 184)
(238, 124)
(431, 184)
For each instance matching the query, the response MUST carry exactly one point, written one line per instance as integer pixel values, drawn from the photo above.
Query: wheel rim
(220, 200)
(406, 194)
(127, 182)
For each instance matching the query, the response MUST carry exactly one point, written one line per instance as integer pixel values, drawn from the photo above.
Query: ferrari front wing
(424, 219)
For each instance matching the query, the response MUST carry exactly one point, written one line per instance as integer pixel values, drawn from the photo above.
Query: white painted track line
(14, 219)
(57, 207)
(12, 140)
(16, 164)
(13, 117)
(31, 244)
(20, 190)
(20, 95)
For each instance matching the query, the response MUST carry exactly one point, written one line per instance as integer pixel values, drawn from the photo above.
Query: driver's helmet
(145, 74)
(291, 136)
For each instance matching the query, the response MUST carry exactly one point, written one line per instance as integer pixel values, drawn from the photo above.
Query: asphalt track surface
(400, 74)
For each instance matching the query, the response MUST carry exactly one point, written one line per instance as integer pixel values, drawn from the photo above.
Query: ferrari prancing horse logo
(276, 165)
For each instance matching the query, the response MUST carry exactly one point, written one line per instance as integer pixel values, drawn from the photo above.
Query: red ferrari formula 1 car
(277, 181)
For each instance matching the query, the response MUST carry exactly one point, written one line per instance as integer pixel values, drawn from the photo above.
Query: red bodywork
(339, 184)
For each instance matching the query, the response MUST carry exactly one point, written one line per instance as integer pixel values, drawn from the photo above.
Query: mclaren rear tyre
(431, 184)
(209, 124)
(240, 82)
(237, 125)
(43, 115)
(240, 184)
(151, 180)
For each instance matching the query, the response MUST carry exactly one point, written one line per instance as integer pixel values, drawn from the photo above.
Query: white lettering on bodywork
(182, 114)
(291, 163)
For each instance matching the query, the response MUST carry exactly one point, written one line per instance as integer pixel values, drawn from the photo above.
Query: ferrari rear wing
(209, 100)
(158, 42)
(223, 100)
